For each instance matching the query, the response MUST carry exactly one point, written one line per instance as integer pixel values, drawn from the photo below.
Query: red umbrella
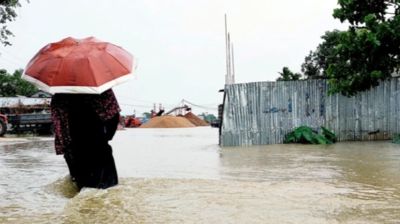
(79, 66)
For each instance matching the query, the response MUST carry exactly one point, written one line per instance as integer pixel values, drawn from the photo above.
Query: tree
(365, 54)
(7, 14)
(287, 75)
(13, 85)
(310, 67)
(208, 117)
(355, 11)
(317, 62)
(362, 56)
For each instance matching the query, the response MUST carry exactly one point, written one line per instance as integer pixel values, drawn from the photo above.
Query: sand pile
(168, 122)
(195, 119)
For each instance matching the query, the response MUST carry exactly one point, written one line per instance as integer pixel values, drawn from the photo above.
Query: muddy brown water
(182, 176)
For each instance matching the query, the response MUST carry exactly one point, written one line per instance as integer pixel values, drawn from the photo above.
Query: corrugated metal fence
(264, 112)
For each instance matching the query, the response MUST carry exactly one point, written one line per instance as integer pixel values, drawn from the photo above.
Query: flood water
(182, 176)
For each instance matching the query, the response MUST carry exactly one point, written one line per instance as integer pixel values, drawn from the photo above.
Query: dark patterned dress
(83, 125)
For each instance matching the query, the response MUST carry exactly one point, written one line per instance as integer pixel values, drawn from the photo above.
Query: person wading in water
(83, 125)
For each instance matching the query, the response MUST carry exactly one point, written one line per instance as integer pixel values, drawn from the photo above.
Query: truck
(40, 123)
(23, 114)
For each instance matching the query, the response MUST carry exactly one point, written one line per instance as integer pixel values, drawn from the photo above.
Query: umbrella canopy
(79, 66)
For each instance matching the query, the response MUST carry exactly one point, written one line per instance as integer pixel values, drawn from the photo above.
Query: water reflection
(182, 176)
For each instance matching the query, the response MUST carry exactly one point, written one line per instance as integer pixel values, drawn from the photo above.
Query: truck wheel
(46, 129)
(3, 127)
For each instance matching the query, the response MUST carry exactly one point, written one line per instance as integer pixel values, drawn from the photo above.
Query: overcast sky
(180, 44)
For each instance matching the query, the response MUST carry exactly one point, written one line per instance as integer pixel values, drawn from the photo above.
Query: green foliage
(13, 85)
(368, 52)
(317, 62)
(307, 135)
(287, 75)
(354, 11)
(208, 117)
(360, 62)
(328, 134)
(396, 139)
(7, 14)
(311, 68)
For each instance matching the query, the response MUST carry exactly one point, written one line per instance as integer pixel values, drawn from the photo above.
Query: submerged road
(183, 176)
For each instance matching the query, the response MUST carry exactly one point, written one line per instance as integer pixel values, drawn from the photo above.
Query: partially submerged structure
(264, 112)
